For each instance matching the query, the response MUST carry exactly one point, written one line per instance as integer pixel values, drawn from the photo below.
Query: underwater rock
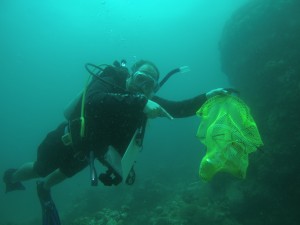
(259, 50)
(103, 217)
(260, 54)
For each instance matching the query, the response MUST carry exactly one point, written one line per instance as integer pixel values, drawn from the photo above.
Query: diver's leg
(54, 178)
(13, 177)
(25, 172)
(49, 212)
(48, 160)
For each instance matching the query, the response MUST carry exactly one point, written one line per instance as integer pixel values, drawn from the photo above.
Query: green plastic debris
(229, 133)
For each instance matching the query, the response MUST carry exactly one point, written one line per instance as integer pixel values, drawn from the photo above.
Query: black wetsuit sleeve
(103, 98)
(180, 109)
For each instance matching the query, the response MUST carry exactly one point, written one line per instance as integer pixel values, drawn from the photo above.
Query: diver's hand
(215, 92)
(154, 110)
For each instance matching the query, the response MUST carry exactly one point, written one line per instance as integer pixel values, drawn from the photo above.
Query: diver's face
(144, 80)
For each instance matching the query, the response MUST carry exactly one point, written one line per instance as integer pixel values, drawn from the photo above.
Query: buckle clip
(67, 137)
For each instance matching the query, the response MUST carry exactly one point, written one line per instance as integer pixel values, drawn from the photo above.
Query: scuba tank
(73, 106)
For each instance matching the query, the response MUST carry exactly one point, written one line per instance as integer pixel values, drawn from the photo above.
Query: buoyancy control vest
(75, 110)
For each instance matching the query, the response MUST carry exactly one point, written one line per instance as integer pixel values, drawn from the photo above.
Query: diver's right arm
(184, 108)
(102, 99)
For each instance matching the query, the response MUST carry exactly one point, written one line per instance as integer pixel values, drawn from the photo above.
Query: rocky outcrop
(260, 53)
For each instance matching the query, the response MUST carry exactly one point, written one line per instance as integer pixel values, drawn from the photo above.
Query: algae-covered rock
(260, 54)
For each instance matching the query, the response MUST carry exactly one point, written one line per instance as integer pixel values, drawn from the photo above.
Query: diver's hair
(135, 67)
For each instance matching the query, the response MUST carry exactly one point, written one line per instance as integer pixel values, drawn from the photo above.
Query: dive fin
(49, 211)
(11, 186)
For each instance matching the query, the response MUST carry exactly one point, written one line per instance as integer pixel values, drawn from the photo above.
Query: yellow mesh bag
(229, 133)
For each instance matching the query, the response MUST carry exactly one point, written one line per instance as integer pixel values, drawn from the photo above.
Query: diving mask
(144, 82)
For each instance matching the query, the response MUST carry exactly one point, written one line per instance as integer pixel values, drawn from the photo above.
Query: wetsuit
(112, 116)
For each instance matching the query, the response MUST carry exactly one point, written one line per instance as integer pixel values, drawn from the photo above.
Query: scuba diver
(111, 111)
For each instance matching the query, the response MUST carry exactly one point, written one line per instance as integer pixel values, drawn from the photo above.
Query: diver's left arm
(181, 109)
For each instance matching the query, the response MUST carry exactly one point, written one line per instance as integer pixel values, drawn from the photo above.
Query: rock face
(260, 53)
